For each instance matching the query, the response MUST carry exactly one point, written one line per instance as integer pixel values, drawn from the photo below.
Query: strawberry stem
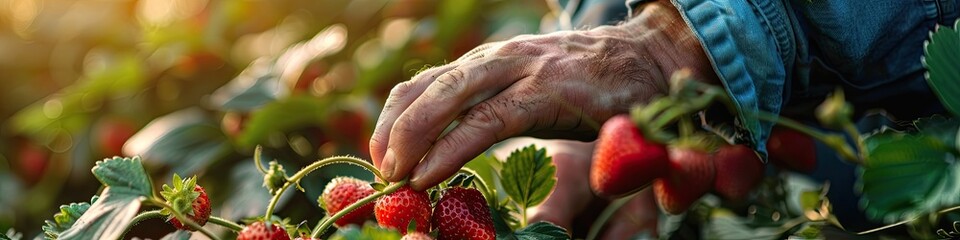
(295, 179)
(183, 219)
(834, 141)
(605, 216)
(256, 158)
(139, 218)
(225, 223)
(327, 222)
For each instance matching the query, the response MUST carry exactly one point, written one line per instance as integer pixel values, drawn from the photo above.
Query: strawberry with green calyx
(260, 231)
(398, 209)
(188, 198)
(624, 161)
(462, 213)
(690, 174)
(343, 191)
(738, 171)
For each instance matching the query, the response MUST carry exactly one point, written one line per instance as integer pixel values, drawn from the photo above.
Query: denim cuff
(752, 46)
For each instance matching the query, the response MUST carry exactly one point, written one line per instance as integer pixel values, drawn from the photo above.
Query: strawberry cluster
(460, 213)
(625, 162)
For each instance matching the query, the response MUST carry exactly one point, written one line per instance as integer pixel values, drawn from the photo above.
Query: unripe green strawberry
(259, 231)
(691, 174)
(343, 191)
(462, 213)
(623, 161)
(739, 170)
(398, 209)
(792, 150)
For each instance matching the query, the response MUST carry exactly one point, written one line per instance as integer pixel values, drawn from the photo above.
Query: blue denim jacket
(787, 55)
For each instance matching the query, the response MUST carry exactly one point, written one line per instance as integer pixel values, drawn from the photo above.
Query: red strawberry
(624, 161)
(462, 213)
(259, 231)
(416, 236)
(201, 210)
(343, 191)
(399, 208)
(792, 150)
(112, 134)
(738, 169)
(690, 176)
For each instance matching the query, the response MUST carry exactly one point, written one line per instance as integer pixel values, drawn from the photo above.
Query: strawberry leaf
(186, 140)
(908, 174)
(126, 185)
(528, 176)
(942, 60)
(283, 115)
(542, 230)
(504, 232)
(65, 218)
(178, 235)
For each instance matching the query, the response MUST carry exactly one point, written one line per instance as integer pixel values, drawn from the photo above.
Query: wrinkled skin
(557, 85)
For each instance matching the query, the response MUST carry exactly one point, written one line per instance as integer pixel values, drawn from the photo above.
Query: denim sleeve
(751, 45)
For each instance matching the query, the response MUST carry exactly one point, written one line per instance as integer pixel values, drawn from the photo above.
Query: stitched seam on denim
(772, 17)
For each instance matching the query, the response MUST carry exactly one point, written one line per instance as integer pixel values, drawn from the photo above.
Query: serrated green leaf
(907, 175)
(504, 232)
(126, 185)
(943, 129)
(528, 176)
(178, 235)
(368, 232)
(65, 218)
(942, 60)
(542, 230)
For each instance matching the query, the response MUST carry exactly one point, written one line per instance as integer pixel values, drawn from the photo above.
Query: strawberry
(188, 198)
(738, 169)
(398, 209)
(343, 191)
(259, 231)
(792, 150)
(624, 161)
(690, 176)
(201, 210)
(112, 134)
(416, 236)
(462, 213)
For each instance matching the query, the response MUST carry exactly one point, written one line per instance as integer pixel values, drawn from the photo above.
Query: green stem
(139, 218)
(523, 215)
(327, 222)
(487, 192)
(256, 158)
(183, 219)
(834, 141)
(855, 134)
(225, 223)
(605, 216)
(313, 167)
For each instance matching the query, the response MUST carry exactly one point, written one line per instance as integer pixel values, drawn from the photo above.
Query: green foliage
(942, 59)
(910, 174)
(725, 225)
(126, 185)
(368, 232)
(542, 230)
(181, 195)
(65, 218)
(528, 176)
(283, 115)
(185, 140)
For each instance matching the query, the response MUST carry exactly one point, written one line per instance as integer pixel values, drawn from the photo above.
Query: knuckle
(449, 83)
(485, 116)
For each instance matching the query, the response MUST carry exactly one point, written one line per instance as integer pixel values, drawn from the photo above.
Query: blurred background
(193, 86)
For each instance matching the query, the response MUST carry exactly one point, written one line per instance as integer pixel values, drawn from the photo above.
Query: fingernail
(387, 166)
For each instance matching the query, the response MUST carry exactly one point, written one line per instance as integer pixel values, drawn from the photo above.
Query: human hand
(552, 85)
